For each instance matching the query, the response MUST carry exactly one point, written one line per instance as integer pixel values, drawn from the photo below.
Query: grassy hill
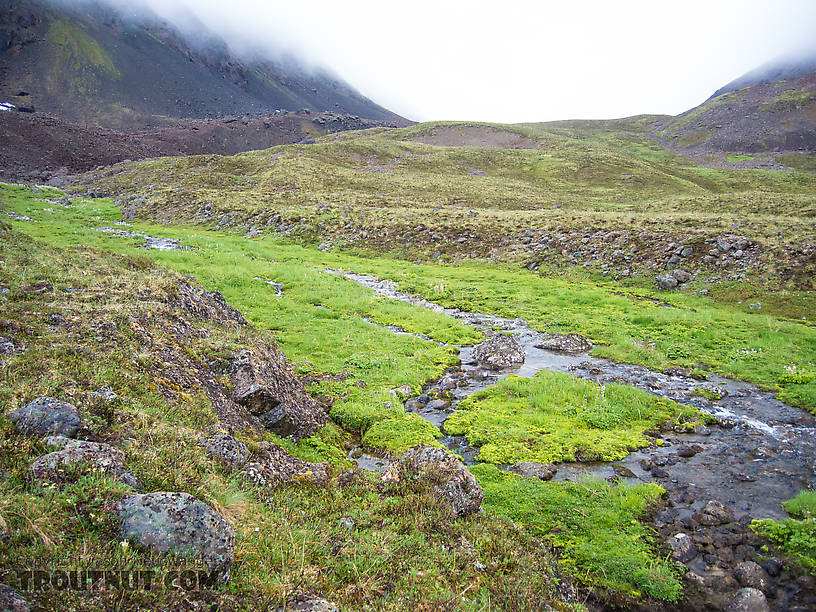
(602, 195)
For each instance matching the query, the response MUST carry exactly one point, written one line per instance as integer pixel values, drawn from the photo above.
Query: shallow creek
(761, 453)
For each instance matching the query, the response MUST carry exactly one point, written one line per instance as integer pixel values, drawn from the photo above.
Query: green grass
(732, 340)
(795, 536)
(594, 524)
(556, 417)
(79, 51)
(799, 161)
(402, 550)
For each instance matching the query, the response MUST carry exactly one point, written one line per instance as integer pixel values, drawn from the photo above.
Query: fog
(516, 61)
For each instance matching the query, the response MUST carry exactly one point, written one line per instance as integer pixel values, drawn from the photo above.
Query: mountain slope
(780, 69)
(90, 63)
(770, 110)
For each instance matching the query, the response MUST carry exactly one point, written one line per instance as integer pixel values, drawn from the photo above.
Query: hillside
(767, 118)
(89, 63)
(608, 200)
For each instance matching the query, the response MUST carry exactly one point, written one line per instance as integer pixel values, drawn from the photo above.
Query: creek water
(761, 452)
(149, 242)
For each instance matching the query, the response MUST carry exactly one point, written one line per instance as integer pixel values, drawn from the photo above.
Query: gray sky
(518, 61)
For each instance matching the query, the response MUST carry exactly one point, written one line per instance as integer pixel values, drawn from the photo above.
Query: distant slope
(88, 63)
(780, 69)
(770, 110)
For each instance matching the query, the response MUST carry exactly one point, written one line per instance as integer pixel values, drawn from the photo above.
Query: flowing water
(761, 453)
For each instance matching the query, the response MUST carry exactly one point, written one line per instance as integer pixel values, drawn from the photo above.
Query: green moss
(791, 99)
(708, 394)
(556, 417)
(80, 51)
(399, 433)
(594, 524)
(795, 536)
(403, 550)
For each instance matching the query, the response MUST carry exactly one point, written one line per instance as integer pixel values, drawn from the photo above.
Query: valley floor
(86, 306)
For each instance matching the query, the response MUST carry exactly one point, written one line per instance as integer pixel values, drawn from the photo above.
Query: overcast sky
(518, 61)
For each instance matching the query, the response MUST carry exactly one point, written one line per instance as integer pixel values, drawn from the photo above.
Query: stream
(761, 453)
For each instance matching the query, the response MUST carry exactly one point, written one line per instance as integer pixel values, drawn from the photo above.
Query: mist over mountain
(114, 64)
(790, 66)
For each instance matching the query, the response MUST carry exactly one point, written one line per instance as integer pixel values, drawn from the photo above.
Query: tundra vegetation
(407, 206)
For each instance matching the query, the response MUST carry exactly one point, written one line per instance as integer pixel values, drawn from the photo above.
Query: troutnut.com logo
(98, 579)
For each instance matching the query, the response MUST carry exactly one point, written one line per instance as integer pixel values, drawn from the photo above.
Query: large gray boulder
(751, 574)
(529, 469)
(309, 603)
(226, 449)
(178, 523)
(499, 352)
(714, 513)
(271, 466)
(666, 282)
(103, 457)
(683, 548)
(747, 600)
(47, 416)
(275, 396)
(442, 471)
(565, 343)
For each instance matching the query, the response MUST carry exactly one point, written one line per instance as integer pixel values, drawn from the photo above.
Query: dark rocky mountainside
(87, 86)
(768, 114)
(91, 63)
(39, 147)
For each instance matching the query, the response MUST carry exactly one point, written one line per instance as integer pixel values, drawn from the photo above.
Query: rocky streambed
(759, 453)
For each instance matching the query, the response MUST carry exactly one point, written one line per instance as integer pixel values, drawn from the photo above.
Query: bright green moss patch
(736, 159)
(556, 417)
(79, 50)
(594, 524)
(383, 423)
(795, 536)
(399, 433)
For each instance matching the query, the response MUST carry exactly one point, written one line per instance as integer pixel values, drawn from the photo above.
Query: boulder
(12, 601)
(499, 352)
(102, 457)
(683, 549)
(413, 405)
(681, 276)
(565, 343)
(404, 391)
(47, 416)
(226, 449)
(309, 603)
(438, 404)
(688, 450)
(714, 513)
(747, 600)
(275, 396)
(528, 469)
(445, 474)
(666, 282)
(750, 574)
(178, 523)
(272, 467)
